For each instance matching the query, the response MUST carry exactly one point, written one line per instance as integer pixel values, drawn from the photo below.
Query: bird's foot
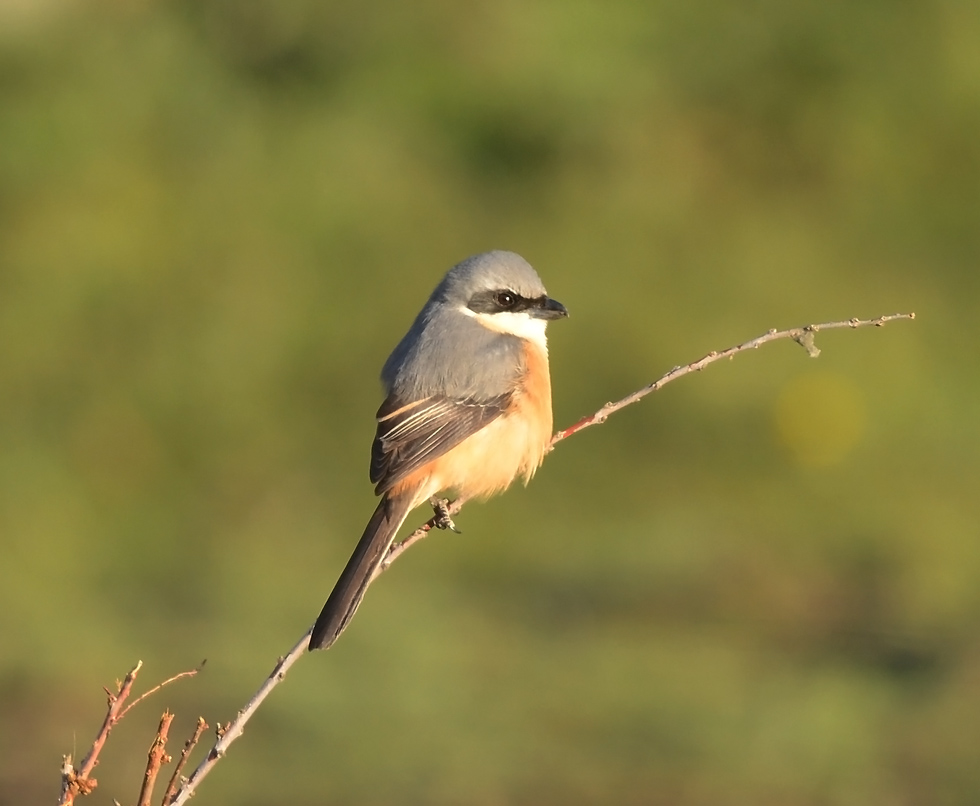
(443, 520)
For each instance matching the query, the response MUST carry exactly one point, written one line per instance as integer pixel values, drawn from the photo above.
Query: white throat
(519, 324)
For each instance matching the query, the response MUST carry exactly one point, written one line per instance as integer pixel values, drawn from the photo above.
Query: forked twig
(79, 782)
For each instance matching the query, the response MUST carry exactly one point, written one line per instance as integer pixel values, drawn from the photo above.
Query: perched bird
(468, 408)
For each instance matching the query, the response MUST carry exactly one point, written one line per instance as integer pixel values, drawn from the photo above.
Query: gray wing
(411, 434)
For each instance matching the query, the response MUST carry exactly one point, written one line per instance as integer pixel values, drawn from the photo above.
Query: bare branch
(189, 745)
(155, 758)
(80, 782)
(156, 688)
(230, 732)
(803, 335)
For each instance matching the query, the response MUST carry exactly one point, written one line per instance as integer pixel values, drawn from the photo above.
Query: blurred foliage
(759, 586)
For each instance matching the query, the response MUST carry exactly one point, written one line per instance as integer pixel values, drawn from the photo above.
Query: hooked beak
(552, 309)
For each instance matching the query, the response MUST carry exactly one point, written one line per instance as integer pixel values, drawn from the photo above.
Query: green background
(758, 586)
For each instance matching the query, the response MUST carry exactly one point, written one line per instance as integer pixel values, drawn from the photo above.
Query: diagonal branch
(802, 335)
(230, 732)
(158, 686)
(189, 745)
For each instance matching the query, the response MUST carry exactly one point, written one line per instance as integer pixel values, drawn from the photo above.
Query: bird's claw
(442, 519)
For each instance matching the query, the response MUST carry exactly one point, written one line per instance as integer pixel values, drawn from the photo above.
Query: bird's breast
(512, 445)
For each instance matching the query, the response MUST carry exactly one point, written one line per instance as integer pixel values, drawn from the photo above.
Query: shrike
(468, 408)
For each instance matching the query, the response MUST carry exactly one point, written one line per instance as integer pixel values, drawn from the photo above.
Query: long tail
(371, 550)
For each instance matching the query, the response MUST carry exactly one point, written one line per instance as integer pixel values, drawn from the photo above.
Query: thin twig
(189, 745)
(80, 782)
(803, 335)
(156, 757)
(156, 688)
(230, 732)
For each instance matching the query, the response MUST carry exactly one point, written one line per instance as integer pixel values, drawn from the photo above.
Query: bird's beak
(552, 309)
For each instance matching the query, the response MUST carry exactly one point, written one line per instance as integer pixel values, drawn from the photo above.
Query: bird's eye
(506, 299)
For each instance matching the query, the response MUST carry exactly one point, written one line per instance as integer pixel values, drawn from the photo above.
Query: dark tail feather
(349, 590)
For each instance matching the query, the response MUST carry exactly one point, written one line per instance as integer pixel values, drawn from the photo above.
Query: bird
(467, 409)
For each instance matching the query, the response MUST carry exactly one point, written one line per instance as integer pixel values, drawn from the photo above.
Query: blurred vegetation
(760, 586)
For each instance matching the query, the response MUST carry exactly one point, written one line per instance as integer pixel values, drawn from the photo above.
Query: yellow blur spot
(819, 417)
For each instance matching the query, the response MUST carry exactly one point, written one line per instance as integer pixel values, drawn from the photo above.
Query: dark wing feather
(411, 434)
